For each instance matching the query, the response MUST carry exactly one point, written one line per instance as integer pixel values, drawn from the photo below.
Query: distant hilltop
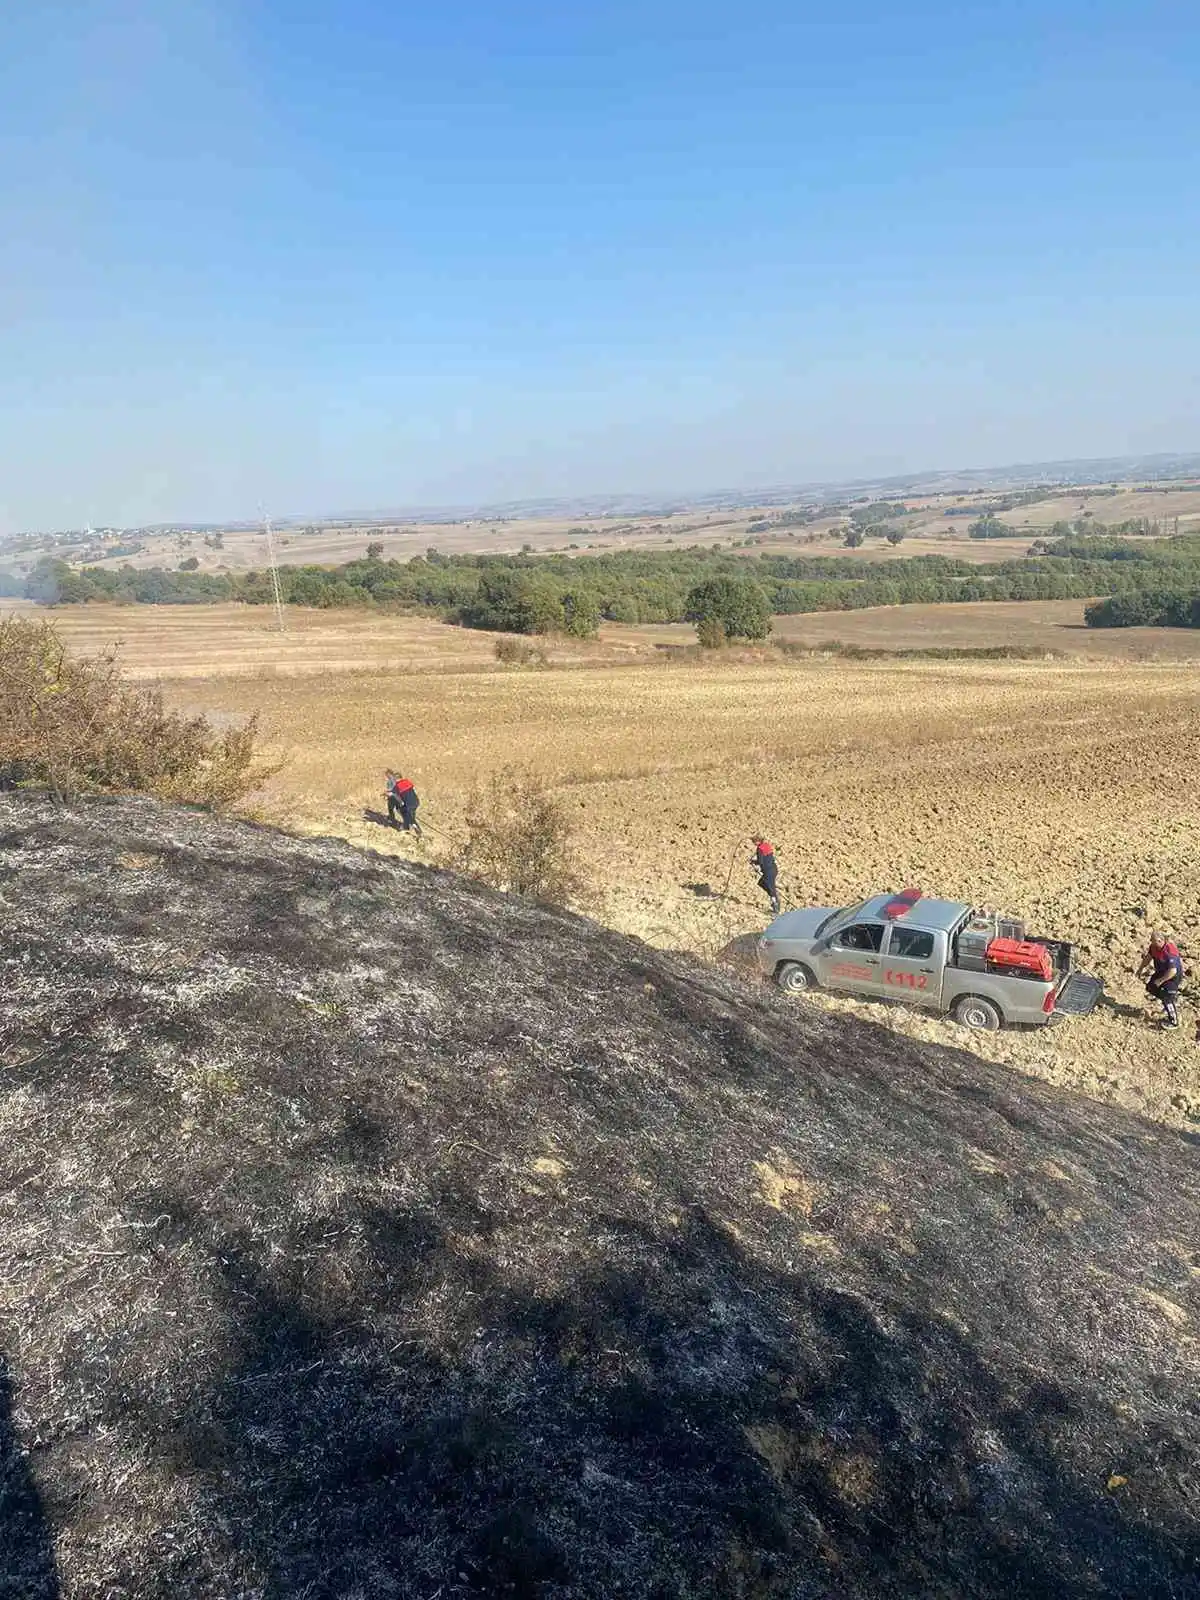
(1161, 468)
(962, 480)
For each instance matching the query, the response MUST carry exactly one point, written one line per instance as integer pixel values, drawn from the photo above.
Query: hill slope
(363, 1233)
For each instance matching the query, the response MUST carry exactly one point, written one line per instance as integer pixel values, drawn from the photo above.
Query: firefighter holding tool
(763, 862)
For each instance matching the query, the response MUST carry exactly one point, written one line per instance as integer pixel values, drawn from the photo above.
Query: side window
(911, 943)
(860, 936)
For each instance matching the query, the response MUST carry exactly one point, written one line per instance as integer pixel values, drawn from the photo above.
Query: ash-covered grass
(367, 1234)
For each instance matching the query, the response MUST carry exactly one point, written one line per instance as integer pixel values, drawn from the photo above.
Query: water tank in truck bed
(980, 931)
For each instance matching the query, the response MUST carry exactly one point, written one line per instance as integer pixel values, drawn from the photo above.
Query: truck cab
(906, 947)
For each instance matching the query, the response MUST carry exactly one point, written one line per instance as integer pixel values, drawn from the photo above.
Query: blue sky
(362, 253)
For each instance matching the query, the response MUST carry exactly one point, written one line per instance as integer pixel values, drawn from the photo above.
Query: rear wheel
(793, 977)
(973, 1011)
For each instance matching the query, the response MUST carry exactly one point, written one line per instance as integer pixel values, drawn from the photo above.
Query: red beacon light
(901, 905)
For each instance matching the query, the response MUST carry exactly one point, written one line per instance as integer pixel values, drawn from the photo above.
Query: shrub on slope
(72, 724)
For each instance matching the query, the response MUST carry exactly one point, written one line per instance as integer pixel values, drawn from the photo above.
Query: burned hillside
(364, 1233)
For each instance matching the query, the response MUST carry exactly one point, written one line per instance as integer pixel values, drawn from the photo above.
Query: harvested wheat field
(239, 640)
(1065, 791)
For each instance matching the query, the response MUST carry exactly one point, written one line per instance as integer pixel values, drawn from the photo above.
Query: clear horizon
(384, 256)
(998, 476)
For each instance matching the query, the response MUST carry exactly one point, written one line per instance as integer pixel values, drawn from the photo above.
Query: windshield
(849, 912)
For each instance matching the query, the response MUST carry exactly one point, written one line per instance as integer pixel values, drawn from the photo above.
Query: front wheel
(793, 977)
(975, 1012)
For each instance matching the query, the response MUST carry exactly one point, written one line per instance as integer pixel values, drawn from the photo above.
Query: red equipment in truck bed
(1021, 955)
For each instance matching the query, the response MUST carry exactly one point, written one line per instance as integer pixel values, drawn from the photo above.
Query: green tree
(854, 537)
(623, 608)
(48, 581)
(738, 604)
(375, 551)
(581, 614)
(515, 601)
(988, 526)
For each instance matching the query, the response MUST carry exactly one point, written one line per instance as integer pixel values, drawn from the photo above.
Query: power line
(279, 617)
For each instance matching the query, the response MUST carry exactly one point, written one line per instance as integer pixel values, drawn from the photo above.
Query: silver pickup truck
(934, 953)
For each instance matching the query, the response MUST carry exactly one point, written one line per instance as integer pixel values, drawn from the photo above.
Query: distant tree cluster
(989, 526)
(1157, 581)
(781, 519)
(1146, 608)
(870, 516)
(523, 601)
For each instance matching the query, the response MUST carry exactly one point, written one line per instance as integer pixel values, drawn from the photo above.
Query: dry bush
(710, 633)
(516, 652)
(520, 839)
(74, 725)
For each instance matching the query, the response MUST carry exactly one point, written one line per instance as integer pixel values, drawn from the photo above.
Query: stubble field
(1065, 791)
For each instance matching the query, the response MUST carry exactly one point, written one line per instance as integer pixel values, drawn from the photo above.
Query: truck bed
(1079, 996)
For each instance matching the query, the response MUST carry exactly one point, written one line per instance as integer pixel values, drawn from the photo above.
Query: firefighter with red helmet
(402, 797)
(1165, 965)
(409, 800)
(764, 863)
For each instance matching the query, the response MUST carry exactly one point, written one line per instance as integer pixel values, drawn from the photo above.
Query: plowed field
(1065, 791)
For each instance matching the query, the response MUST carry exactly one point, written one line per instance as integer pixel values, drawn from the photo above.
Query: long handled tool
(729, 874)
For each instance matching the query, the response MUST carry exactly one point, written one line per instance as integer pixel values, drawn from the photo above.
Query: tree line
(1146, 608)
(1162, 589)
(560, 593)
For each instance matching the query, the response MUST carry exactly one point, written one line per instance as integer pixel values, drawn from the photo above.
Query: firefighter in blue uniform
(763, 861)
(1167, 975)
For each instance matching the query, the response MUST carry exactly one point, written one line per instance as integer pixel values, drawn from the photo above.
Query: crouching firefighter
(409, 800)
(763, 861)
(1167, 975)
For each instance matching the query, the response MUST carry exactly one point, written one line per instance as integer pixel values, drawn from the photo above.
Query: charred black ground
(366, 1234)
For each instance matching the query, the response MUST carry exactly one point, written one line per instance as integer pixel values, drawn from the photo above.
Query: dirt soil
(365, 1233)
(1064, 791)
